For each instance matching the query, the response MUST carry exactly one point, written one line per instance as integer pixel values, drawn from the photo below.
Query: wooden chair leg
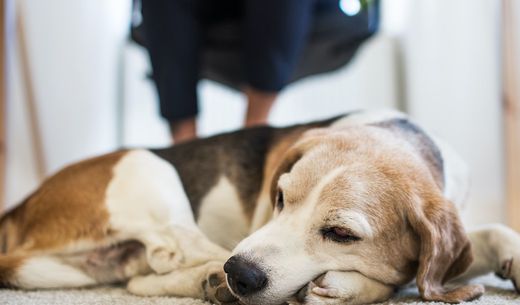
(3, 97)
(512, 111)
(30, 97)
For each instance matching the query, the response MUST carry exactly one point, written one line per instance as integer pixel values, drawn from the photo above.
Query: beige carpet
(498, 293)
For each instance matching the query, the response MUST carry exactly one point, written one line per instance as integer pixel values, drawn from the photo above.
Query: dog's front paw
(322, 291)
(336, 287)
(318, 293)
(215, 287)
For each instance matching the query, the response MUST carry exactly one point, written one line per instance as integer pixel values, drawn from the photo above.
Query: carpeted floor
(498, 292)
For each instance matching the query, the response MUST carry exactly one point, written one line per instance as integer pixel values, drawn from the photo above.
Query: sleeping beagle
(340, 211)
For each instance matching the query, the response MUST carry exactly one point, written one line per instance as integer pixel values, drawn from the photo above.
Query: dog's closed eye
(339, 234)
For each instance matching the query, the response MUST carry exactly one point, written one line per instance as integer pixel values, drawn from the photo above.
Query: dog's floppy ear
(290, 158)
(292, 155)
(445, 251)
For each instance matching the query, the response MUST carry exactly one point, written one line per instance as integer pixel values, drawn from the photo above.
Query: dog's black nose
(244, 277)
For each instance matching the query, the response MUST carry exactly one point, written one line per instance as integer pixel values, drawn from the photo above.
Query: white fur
(46, 272)
(456, 174)
(493, 245)
(352, 288)
(184, 283)
(146, 200)
(357, 222)
(146, 192)
(221, 216)
(263, 212)
(279, 247)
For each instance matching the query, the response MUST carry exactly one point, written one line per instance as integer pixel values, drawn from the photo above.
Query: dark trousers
(274, 35)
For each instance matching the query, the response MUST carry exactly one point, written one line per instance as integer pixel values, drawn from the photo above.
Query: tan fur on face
(67, 207)
(370, 184)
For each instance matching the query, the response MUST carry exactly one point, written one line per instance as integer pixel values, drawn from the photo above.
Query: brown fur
(55, 215)
(445, 251)
(8, 267)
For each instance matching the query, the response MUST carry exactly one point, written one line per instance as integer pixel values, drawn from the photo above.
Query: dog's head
(356, 200)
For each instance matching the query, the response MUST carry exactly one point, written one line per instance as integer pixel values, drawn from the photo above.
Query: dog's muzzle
(244, 277)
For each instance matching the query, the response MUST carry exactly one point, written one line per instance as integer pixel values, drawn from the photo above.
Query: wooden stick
(3, 97)
(39, 152)
(511, 113)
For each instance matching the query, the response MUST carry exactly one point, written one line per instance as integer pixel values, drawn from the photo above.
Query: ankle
(183, 130)
(259, 106)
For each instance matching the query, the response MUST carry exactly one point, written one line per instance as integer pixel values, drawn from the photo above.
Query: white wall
(451, 64)
(453, 77)
(74, 49)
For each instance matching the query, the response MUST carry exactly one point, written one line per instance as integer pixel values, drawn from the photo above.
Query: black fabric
(273, 34)
(266, 44)
(173, 38)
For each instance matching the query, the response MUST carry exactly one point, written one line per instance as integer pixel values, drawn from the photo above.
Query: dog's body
(166, 220)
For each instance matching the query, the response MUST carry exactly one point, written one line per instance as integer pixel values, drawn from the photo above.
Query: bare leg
(258, 107)
(339, 287)
(183, 130)
(496, 248)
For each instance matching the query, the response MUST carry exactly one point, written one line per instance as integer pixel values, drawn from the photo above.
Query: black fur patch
(239, 155)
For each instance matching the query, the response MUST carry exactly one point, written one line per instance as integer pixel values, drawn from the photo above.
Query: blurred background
(442, 61)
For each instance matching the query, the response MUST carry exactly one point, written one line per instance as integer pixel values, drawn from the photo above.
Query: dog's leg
(205, 281)
(496, 248)
(41, 272)
(200, 275)
(176, 247)
(145, 198)
(167, 247)
(162, 249)
(340, 287)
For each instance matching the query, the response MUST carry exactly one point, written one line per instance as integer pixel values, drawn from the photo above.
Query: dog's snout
(244, 277)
